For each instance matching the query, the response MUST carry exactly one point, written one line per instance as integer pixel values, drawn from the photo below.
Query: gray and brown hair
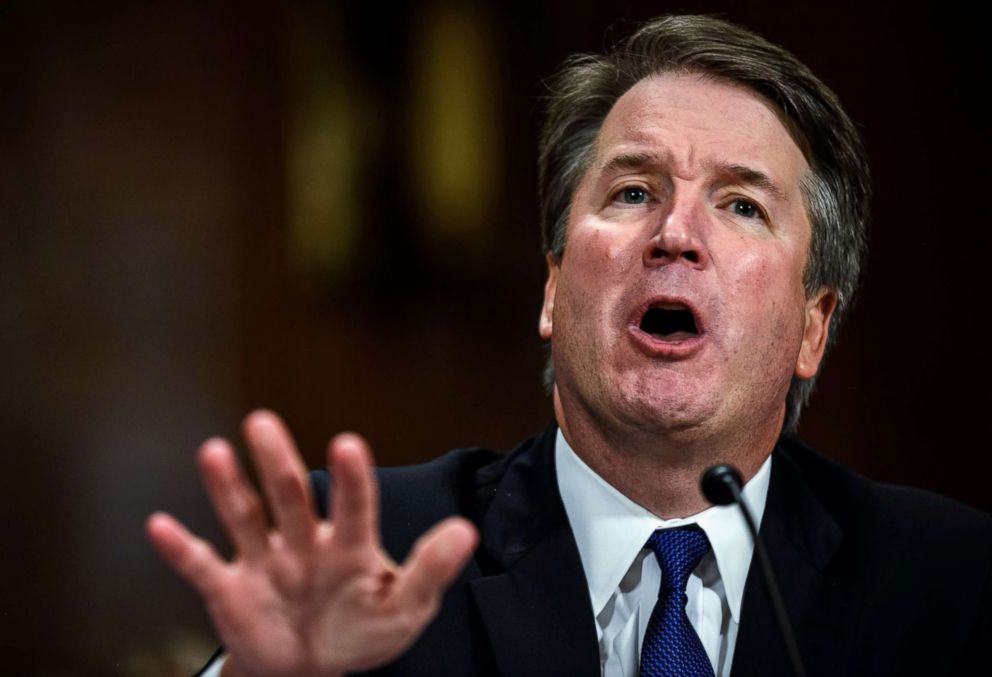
(836, 190)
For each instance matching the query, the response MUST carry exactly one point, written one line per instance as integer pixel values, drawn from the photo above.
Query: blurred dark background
(329, 209)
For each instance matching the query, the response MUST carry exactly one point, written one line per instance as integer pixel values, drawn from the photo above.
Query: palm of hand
(310, 597)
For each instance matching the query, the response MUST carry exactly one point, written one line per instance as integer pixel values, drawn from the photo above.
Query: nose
(678, 238)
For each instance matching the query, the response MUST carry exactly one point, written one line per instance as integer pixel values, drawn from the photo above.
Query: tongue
(674, 336)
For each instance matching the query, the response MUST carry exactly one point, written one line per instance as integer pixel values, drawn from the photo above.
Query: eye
(632, 195)
(747, 209)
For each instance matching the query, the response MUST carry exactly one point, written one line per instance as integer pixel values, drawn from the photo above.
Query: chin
(667, 409)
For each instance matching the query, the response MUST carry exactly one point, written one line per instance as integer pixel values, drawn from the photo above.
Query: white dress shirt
(624, 577)
(215, 667)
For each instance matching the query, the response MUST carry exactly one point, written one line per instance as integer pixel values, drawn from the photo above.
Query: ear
(544, 325)
(819, 308)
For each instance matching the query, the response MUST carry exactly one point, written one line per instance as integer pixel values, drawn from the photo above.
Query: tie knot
(678, 552)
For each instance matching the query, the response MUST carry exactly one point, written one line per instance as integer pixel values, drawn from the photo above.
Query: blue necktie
(671, 646)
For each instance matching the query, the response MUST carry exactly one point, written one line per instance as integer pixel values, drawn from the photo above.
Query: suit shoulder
(902, 552)
(862, 504)
(414, 497)
(441, 475)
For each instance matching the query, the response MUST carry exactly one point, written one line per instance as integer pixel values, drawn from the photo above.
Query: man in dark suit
(705, 202)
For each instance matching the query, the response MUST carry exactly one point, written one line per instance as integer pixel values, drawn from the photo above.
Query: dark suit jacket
(878, 580)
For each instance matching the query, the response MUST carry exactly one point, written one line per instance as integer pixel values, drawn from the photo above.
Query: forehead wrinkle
(641, 130)
(645, 144)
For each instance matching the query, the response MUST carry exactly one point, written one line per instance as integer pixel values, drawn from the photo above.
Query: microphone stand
(722, 485)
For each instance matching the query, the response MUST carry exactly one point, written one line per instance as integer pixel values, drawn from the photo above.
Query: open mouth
(669, 322)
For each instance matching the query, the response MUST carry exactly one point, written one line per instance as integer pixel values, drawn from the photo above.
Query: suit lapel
(801, 538)
(533, 597)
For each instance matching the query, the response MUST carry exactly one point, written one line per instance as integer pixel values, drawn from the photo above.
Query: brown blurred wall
(165, 264)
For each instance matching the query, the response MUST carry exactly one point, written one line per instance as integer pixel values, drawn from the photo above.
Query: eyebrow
(751, 177)
(629, 161)
(728, 171)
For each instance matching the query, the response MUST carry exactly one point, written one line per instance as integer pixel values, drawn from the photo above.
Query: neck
(660, 470)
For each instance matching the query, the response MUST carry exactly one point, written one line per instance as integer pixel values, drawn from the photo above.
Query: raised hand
(307, 596)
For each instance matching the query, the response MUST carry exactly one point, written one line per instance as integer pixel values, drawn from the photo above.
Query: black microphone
(722, 485)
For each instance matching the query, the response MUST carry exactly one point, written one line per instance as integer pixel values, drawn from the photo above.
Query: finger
(192, 558)
(436, 559)
(237, 505)
(355, 501)
(283, 477)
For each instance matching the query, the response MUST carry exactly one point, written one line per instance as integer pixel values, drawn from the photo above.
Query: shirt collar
(610, 529)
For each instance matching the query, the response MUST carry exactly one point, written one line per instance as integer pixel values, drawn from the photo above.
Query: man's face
(679, 301)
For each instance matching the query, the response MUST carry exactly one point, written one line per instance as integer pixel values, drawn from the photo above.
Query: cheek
(597, 263)
(595, 272)
(599, 249)
(768, 299)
